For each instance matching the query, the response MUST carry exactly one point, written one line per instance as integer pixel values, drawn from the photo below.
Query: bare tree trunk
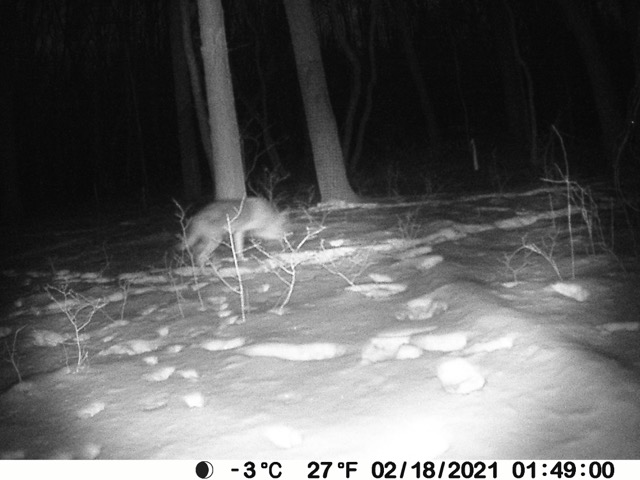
(515, 105)
(426, 104)
(321, 122)
(199, 98)
(226, 162)
(191, 185)
(137, 120)
(354, 94)
(513, 53)
(354, 158)
(609, 112)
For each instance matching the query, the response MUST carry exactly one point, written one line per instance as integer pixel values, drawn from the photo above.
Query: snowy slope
(479, 327)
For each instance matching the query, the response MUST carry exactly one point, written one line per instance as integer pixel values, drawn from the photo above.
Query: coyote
(208, 228)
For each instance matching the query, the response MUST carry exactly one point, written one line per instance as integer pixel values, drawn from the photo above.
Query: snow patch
(91, 410)
(47, 338)
(189, 374)
(151, 360)
(516, 222)
(572, 290)
(296, 352)
(218, 344)
(445, 235)
(408, 344)
(380, 349)
(131, 347)
(502, 343)
(378, 290)
(173, 349)
(430, 261)
(408, 352)
(422, 308)
(619, 326)
(114, 297)
(149, 310)
(417, 252)
(137, 278)
(159, 375)
(380, 278)
(447, 342)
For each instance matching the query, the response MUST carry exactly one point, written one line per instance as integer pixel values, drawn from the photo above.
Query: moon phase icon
(204, 469)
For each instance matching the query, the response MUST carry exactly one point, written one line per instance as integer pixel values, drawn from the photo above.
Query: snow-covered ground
(477, 327)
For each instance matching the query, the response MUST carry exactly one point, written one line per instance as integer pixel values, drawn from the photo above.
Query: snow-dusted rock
(459, 376)
(194, 400)
(422, 308)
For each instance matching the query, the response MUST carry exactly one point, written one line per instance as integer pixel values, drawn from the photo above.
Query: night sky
(89, 114)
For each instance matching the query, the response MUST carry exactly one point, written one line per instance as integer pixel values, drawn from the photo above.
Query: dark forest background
(420, 90)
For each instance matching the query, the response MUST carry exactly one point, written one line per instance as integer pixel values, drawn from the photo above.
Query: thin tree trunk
(609, 112)
(198, 96)
(226, 163)
(321, 122)
(531, 110)
(191, 185)
(354, 159)
(135, 103)
(433, 130)
(515, 105)
(354, 94)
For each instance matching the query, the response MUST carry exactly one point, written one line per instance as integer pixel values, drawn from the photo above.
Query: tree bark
(191, 185)
(226, 161)
(321, 122)
(195, 75)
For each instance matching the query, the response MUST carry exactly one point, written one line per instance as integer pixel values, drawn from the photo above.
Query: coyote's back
(253, 215)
